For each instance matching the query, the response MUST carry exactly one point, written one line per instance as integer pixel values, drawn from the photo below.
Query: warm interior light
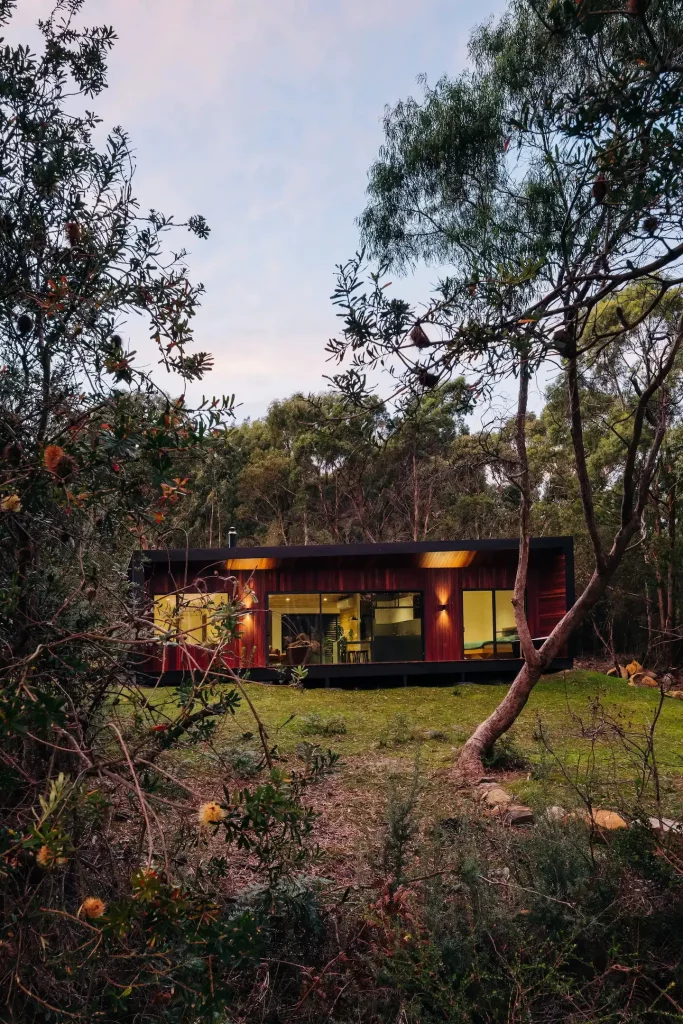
(446, 559)
(251, 563)
(443, 607)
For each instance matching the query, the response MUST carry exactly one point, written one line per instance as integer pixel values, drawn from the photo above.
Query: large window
(489, 625)
(338, 629)
(189, 618)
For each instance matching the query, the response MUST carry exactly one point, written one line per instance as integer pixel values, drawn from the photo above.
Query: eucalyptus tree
(546, 180)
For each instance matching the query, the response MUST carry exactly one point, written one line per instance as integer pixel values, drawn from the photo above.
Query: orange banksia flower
(58, 462)
(44, 857)
(12, 503)
(211, 813)
(47, 858)
(92, 907)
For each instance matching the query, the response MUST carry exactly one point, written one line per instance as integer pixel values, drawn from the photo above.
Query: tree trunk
(499, 721)
(637, 481)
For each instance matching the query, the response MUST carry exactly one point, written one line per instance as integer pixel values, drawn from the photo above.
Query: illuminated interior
(489, 629)
(351, 628)
(250, 564)
(190, 618)
(445, 559)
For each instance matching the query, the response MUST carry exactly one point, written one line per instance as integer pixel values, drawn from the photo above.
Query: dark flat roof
(350, 550)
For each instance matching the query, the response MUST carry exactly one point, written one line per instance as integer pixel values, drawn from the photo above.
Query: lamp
(443, 607)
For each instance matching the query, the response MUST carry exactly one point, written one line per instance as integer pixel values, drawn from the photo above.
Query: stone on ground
(518, 815)
(664, 826)
(497, 797)
(609, 820)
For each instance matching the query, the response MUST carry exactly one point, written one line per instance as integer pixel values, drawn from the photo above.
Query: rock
(633, 667)
(486, 781)
(643, 679)
(518, 815)
(609, 820)
(497, 797)
(664, 826)
(676, 694)
(500, 875)
(603, 820)
(555, 813)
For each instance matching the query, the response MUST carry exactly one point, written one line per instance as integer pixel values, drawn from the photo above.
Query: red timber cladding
(442, 590)
(552, 597)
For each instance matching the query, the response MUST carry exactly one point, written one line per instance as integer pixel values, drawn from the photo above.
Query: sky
(264, 116)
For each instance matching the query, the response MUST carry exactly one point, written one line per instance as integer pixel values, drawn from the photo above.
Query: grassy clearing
(380, 733)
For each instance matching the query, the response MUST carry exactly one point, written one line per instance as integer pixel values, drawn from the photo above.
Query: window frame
(320, 594)
(181, 639)
(492, 592)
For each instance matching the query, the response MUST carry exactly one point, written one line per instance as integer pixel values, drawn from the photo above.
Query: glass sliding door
(477, 618)
(345, 628)
(489, 629)
(294, 628)
(507, 639)
(397, 627)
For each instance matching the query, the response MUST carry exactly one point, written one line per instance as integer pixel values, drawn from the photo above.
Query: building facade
(352, 612)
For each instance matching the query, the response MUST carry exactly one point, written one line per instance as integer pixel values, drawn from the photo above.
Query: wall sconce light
(443, 607)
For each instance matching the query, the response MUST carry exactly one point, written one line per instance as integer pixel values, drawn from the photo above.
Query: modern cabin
(353, 613)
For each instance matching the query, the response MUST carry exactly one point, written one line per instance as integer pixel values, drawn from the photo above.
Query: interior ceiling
(251, 563)
(424, 560)
(445, 559)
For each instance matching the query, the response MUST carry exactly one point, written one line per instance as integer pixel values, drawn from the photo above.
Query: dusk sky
(264, 116)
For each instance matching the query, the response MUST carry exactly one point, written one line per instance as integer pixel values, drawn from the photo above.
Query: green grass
(390, 727)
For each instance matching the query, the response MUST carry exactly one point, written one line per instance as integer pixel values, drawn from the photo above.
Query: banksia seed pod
(561, 340)
(600, 188)
(12, 453)
(419, 338)
(427, 379)
(74, 232)
(24, 324)
(650, 224)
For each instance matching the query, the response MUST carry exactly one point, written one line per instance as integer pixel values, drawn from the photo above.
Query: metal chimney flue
(232, 537)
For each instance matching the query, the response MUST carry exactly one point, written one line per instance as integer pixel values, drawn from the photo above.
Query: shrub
(315, 724)
(397, 732)
(506, 755)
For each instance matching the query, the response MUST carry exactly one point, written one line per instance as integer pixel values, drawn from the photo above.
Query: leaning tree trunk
(636, 487)
(470, 760)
